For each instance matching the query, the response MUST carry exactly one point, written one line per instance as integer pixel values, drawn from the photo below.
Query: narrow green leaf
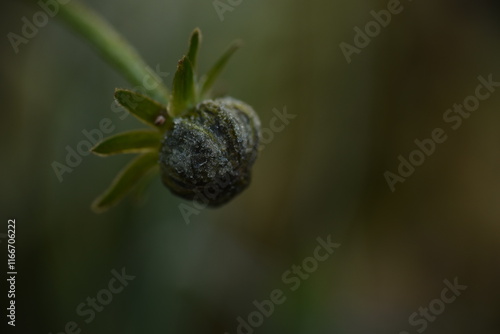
(140, 193)
(125, 181)
(137, 141)
(183, 90)
(110, 44)
(142, 107)
(194, 44)
(209, 79)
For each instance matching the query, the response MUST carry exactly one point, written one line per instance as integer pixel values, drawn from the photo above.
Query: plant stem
(114, 48)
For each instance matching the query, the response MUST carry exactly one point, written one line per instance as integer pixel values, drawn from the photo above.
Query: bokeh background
(322, 175)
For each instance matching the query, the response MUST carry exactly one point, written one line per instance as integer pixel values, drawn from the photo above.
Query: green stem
(114, 48)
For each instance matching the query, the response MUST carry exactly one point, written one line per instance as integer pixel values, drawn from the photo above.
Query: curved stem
(113, 47)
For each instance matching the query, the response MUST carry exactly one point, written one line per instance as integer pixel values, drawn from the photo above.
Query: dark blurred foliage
(322, 175)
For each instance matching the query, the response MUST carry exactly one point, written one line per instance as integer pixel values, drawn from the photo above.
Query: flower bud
(208, 152)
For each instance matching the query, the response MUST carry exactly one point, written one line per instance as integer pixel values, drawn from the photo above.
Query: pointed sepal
(194, 44)
(136, 141)
(183, 88)
(145, 109)
(125, 181)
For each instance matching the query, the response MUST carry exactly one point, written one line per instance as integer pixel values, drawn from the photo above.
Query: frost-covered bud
(207, 153)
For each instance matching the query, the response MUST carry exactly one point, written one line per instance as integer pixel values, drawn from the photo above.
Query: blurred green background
(322, 175)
